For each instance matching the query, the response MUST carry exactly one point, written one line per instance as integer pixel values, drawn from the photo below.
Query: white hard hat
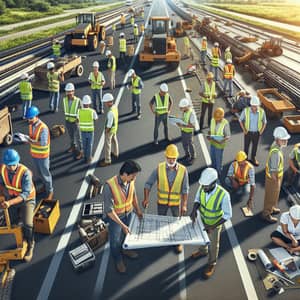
(95, 64)
(243, 91)
(295, 212)
(122, 14)
(69, 87)
(208, 176)
(228, 61)
(131, 72)
(24, 76)
(135, 25)
(254, 101)
(107, 97)
(102, 42)
(216, 44)
(86, 100)
(107, 53)
(122, 34)
(227, 49)
(164, 87)
(184, 103)
(204, 38)
(281, 133)
(50, 65)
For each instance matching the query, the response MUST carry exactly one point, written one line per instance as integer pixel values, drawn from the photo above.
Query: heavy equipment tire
(102, 34)
(68, 43)
(92, 43)
(8, 140)
(277, 51)
(79, 70)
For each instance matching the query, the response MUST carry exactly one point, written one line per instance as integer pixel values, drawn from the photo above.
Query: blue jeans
(116, 237)
(215, 71)
(43, 168)
(136, 103)
(228, 82)
(87, 138)
(243, 189)
(203, 56)
(97, 95)
(26, 105)
(216, 156)
(54, 101)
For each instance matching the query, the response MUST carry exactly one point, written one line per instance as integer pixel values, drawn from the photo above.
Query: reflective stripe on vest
(219, 132)
(167, 195)
(228, 71)
(247, 118)
(86, 120)
(186, 119)
(280, 166)
(25, 90)
(186, 41)
(56, 49)
(211, 211)
(53, 81)
(122, 204)
(136, 31)
(96, 81)
(114, 128)
(161, 108)
(122, 43)
(112, 64)
(36, 150)
(71, 112)
(135, 85)
(242, 178)
(209, 92)
(204, 45)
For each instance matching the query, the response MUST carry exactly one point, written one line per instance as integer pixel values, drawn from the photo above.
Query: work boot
(114, 156)
(179, 249)
(121, 268)
(255, 162)
(79, 155)
(275, 211)
(29, 252)
(50, 196)
(270, 219)
(198, 254)
(189, 162)
(71, 149)
(130, 253)
(103, 163)
(209, 271)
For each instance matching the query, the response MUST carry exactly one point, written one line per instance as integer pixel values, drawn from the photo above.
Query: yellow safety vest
(135, 83)
(297, 155)
(227, 55)
(219, 132)
(36, 149)
(114, 128)
(114, 27)
(215, 57)
(209, 92)
(204, 45)
(112, 64)
(71, 111)
(86, 120)
(25, 90)
(132, 21)
(142, 28)
(56, 49)
(167, 195)
(53, 81)
(186, 119)
(136, 31)
(186, 41)
(228, 71)
(161, 108)
(275, 149)
(122, 43)
(242, 178)
(96, 81)
(260, 118)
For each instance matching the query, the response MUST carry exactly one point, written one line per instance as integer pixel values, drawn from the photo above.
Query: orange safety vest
(215, 52)
(14, 187)
(228, 71)
(122, 204)
(203, 45)
(242, 178)
(36, 150)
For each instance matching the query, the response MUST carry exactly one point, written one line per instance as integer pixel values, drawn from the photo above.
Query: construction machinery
(179, 31)
(159, 45)
(272, 47)
(6, 129)
(87, 33)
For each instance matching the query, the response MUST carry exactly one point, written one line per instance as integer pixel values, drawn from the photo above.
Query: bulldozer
(159, 45)
(272, 47)
(87, 33)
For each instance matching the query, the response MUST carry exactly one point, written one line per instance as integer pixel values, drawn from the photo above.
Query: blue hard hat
(11, 157)
(32, 112)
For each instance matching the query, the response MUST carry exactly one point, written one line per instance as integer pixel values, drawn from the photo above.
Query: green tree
(2, 7)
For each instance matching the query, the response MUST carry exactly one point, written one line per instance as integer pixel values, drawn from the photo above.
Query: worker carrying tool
(253, 122)
(172, 186)
(218, 135)
(294, 166)
(208, 95)
(25, 89)
(120, 199)
(213, 203)
(122, 20)
(136, 85)
(111, 129)
(187, 46)
(187, 131)
(112, 67)
(132, 20)
(71, 106)
(56, 48)
(97, 81)
(122, 48)
(241, 177)
(17, 186)
(215, 59)
(135, 33)
(54, 79)
(242, 100)
(40, 149)
(228, 74)
(86, 117)
(160, 106)
(274, 174)
(227, 54)
(203, 50)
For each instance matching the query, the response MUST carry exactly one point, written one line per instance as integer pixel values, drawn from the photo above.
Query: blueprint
(158, 231)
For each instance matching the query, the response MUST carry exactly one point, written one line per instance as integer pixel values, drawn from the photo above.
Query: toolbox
(46, 216)
(91, 209)
(82, 257)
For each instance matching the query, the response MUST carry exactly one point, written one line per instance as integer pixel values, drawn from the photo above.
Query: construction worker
(227, 54)
(135, 33)
(122, 48)
(208, 95)
(203, 50)
(54, 79)
(215, 60)
(242, 100)
(136, 85)
(17, 186)
(71, 106)
(86, 117)
(102, 47)
(25, 89)
(172, 186)
(187, 131)
(132, 20)
(274, 174)
(228, 74)
(97, 81)
(122, 20)
(294, 165)
(213, 203)
(111, 129)
(142, 28)
(218, 135)
(241, 176)
(253, 122)
(187, 46)
(160, 106)
(56, 48)
(114, 28)
(39, 135)
(112, 67)
(120, 199)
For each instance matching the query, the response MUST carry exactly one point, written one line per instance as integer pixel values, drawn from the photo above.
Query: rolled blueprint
(264, 259)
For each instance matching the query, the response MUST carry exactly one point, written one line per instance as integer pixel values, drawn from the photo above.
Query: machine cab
(86, 18)
(160, 26)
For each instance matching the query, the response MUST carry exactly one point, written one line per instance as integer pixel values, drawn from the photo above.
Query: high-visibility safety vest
(132, 21)
(56, 49)
(122, 20)
(227, 55)
(209, 92)
(186, 41)
(114, 128)
(242, 178)
(135, 85)
(14, 187)
(204, 45)
(228, 71)
(122, 44)
(161, 108)
(86, 120)
(211, 211)
(186, 119)
(96, 81)
(25, 90)
(36, 149)
(297, 155)
(53, 82)
(142, 28)
(260, 112)
(136, 31)
(72, 110)
(122, 204)
(219, 132)
(167, 195)
(114, 27)
(112, 63)
(215, 57)
(275, 149)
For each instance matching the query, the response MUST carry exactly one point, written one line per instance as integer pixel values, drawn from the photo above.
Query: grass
(108, 7)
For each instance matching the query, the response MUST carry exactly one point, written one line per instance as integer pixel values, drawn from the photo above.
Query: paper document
(174, 120)
(21, 138)
(158, 231)
(216, 137)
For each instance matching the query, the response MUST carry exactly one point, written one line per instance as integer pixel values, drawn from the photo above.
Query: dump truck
(87, 33)
(159, 45)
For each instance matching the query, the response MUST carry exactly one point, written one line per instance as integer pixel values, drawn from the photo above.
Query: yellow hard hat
(219, 113)
(210, 75)
(241, 156)
(171, 151)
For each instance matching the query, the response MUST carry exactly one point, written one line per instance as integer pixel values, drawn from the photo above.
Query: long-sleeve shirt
(44, 133)
(251, 173)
